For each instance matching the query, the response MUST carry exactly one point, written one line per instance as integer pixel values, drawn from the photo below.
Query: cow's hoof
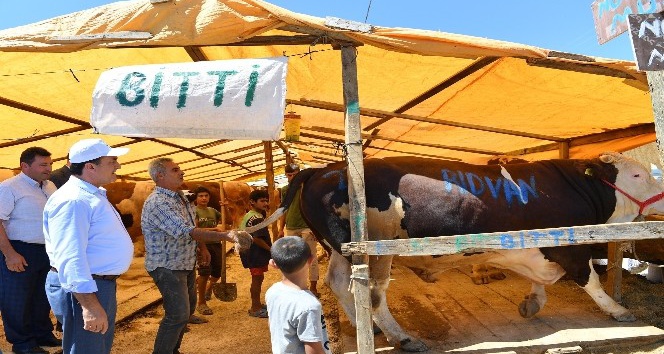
(413, 345)
(625, 317)
(477, 280)
(498, 275)
(528, 307)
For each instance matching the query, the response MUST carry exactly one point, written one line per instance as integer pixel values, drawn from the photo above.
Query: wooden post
(222, 206)
(563, 150)
(269, 178)
(614, 271)
(357, 199)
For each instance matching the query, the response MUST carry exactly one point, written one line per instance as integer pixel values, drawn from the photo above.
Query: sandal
(262, 313)
(208, 294)
(204, 309)
(197, 320)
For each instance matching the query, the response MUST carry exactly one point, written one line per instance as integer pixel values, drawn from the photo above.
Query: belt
(96, 276)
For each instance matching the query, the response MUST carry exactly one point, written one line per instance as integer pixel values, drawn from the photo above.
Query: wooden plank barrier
(553, 237)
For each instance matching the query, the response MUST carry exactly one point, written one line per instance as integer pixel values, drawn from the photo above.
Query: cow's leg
(594, 288)
(482, 274)
(533, 302)
(380, 272)
(338, 279)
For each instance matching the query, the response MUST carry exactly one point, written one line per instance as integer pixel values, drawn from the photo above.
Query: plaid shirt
(167, 221)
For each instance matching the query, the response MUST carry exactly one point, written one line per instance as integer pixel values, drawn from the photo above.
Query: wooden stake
(356, 196)
(269, 178)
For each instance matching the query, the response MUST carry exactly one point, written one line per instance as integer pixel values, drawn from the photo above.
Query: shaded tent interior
(422, 93)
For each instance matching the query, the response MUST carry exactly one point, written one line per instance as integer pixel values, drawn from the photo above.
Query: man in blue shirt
(88, 247)
(25, 309)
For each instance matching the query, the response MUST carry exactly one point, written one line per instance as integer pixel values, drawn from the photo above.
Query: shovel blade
(225, 292)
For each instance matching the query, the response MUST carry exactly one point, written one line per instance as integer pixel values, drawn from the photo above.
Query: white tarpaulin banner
(225, 99)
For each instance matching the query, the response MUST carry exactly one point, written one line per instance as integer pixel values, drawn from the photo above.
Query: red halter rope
(642, 205)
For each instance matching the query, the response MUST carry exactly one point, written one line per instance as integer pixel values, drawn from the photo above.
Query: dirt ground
(423, 309)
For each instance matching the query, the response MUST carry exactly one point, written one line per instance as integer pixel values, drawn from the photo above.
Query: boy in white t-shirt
(296, 316)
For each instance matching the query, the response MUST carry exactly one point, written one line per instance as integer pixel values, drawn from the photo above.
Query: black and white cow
(415, 197)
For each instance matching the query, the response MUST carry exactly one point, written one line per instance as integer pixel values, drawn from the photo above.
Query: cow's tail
(293, 187)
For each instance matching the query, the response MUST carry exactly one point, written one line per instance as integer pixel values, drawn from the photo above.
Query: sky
(561, 25)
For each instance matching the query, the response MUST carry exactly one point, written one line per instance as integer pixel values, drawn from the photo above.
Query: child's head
(202, 195)
(259, 200)
(290, 254)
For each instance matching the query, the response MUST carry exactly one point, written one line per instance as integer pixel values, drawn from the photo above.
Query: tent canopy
(421, 93)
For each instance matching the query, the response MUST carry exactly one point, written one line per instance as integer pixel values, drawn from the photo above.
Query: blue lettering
(449, 179)
(618, 18)
(641, 10)
(536, 236)
(494, 189)
(607, 6)
(571, 238)
(506, 241)
(557, 234)
(525, 188)
(463, 189)
(508, 188)
(476, 189)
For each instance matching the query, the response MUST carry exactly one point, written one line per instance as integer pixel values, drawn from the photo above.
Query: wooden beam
(34, 138)
(322, 37)
(380, 137)
(375, 113)
(196, 53)
(197, 153)
(43, 112)
(641, 129)
(509, 240)
(462, 74)
(385, 149)
(554, 62)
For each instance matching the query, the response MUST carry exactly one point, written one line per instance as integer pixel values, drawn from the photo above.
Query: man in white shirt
(88, 247)
(25, 309)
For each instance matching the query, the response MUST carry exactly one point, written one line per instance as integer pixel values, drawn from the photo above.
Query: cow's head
(637, 192)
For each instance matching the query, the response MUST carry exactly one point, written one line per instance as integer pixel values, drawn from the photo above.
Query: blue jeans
(56, 296)
(178, 289)
(75, 339)
(25, 309)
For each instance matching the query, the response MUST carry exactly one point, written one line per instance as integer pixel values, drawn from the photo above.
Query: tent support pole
(269, 178)
(357, 198)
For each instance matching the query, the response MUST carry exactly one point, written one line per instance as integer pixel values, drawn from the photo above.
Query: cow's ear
(590, 168)
(597, 169)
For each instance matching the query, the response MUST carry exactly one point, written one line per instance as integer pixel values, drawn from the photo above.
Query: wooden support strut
(357, 198)
(509, 240)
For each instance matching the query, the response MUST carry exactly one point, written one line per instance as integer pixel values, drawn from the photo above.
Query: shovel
(224, 291)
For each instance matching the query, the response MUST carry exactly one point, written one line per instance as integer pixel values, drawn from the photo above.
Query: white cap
(90, 149)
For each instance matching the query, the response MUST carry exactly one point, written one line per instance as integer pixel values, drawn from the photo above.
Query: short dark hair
(28, 155)
(257, 194)
(201, 189)
(290, 253)
(292, 167)
(77, 168)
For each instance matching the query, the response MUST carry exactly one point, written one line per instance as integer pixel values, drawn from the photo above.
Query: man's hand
(15, 262)
(94, 315)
